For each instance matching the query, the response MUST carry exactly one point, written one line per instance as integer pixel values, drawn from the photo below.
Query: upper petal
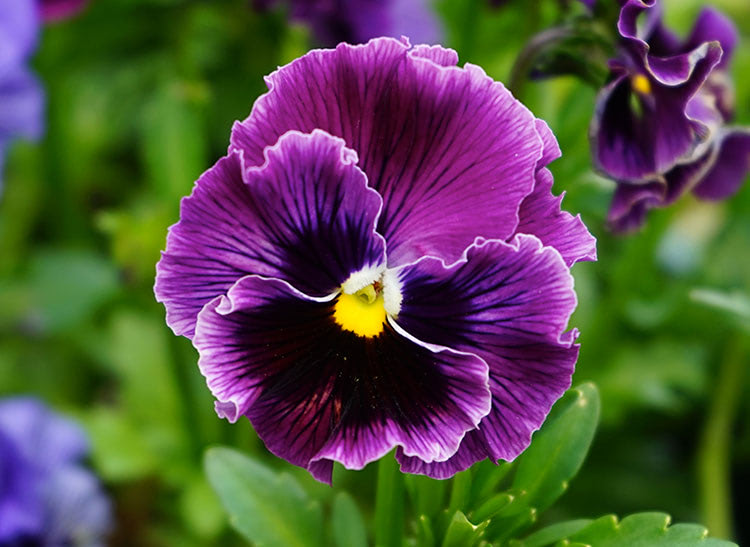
(508, 304)
(306, 216)
(451, 152)
(712, 25)
(540, 213)
(316, 392)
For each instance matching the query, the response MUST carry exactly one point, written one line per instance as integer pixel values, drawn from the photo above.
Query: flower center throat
(363, 312)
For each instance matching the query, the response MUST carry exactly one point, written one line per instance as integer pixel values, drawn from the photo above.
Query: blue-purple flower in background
(21, 96)
(660, 127)
(356, 21)
(379, 262)
(47, 497)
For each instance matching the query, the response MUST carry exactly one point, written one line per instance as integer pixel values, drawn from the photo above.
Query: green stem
(389, 504)
(519, 73)
(714, 454)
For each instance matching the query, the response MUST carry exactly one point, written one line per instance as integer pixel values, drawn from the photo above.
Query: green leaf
(200, 508)
(461, 491)
(66, 287)
(553, 533)
(558, 449)
(427, 494)
(425, 535)
(389, 504)
(268, 508)
(486, 477)
(645, 530)
(461, 532)
(492, 506)
(348, 525)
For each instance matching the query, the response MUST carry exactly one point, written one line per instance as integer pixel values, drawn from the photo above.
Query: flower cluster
(46, 497)
(357, 21)
(21, 98)
(379, 262)
(660, 127)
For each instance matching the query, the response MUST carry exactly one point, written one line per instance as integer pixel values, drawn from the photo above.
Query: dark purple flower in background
(379, 262)
(47, 497)
(56, 10)
(21, 98)
(357, 21)
(660, 127)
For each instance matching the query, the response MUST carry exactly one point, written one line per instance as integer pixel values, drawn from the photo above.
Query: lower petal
(508, 304)
(315, 392)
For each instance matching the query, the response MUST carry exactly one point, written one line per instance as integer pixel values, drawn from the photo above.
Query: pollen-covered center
(363, 312)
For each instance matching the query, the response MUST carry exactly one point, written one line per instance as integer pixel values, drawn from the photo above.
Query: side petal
(306, 216)
(451, 152)
(731, 167)
(315, 392)
(540, 215)
(508, 304)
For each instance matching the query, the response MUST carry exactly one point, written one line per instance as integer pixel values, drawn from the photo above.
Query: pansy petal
(33, 428)
(21, 105)
(76, 507)
(631, 202)
(19, 27)
(413, 18)
(730, 169)
(509, 304)
(451, 152)
(316, 392)
(21, 511)
(551, 148)
(305, 216)
(473, 449)
(437, 54)
(712, 25)
(541, 215)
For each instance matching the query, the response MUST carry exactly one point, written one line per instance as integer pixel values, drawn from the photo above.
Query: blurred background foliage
(141, 96)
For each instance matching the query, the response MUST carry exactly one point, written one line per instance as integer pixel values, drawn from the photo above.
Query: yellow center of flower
(641, 84)
(362, 313)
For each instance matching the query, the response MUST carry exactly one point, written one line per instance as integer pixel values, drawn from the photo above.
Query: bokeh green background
(141, 98)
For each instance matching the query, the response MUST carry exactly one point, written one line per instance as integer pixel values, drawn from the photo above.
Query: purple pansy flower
(660, 124)
(56, 10)
(356, 21)
(379, 262)
(21, 98)
(46, 497)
